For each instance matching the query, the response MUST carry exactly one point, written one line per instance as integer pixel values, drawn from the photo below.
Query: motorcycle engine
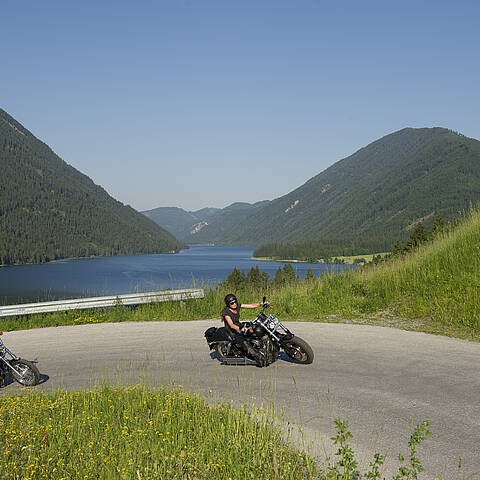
(256, 342)
(258, 330)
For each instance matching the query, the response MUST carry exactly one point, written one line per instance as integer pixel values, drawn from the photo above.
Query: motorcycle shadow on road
(281, 356)
(9, 380)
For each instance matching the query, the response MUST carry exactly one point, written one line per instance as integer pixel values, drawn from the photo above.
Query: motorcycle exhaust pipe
(238, 361)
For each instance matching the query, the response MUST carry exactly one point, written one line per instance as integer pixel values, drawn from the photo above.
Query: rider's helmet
(230, 298)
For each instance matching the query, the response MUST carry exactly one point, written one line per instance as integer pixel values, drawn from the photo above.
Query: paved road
(383, 381)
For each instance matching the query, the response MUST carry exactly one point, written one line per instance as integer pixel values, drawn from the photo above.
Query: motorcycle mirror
(264, 298)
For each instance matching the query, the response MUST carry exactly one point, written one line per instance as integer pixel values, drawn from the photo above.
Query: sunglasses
(233, 302)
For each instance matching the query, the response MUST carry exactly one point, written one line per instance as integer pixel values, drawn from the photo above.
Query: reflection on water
(199, 265)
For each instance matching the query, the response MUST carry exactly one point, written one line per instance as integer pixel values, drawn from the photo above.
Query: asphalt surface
(383, 381)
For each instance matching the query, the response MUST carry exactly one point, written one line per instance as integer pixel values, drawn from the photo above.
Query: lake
(91, 277)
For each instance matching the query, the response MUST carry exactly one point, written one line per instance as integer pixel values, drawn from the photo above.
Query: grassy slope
(438, 283)
(441, 280)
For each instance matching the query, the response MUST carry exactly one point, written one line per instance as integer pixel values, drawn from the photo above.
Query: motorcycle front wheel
(28, 374)
(298, 350)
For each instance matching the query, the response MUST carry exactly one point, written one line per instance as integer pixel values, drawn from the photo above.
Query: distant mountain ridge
(178, 221)
(371, 198)
(208, 225)
(49, 210)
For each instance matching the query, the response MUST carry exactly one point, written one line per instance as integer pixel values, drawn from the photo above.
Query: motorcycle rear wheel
(299, 350)
(28, 373)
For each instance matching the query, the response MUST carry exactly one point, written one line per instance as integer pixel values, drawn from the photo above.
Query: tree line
(325, 249)
(259, 281)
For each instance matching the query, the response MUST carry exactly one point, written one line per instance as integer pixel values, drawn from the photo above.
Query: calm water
(134, 273)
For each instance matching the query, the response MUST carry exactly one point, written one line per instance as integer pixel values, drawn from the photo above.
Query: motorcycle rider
(231, 318)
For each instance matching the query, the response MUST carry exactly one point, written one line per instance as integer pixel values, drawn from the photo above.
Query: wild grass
(141, 433)
(438, 281)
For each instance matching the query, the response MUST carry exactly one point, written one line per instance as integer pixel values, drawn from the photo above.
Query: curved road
(383, 381)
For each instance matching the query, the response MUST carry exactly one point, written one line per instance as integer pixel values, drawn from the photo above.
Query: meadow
(142, 433)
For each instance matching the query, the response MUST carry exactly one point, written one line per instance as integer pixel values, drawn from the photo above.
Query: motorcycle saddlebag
(214, 334)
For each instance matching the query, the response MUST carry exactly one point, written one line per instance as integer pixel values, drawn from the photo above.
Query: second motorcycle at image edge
(22, 371)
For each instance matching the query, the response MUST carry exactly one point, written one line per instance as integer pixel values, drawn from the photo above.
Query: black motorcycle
(266, 334)
(22, 371)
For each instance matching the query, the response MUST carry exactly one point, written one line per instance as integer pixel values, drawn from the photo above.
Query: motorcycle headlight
(271, 325)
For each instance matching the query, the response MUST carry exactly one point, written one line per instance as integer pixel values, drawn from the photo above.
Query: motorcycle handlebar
(266, 304)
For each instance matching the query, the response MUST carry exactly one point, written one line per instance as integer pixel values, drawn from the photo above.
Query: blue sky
(205, 103)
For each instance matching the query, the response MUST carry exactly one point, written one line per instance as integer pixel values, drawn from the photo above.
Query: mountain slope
(49, 210)
(379, 191)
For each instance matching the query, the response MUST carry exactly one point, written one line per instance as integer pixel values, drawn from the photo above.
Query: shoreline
(347, 259)
(272, 259)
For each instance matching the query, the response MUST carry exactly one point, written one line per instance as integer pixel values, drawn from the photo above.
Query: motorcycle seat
(221, 334)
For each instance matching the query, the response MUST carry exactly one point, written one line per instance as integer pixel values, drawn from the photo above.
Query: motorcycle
(22, 371)
(265, 334)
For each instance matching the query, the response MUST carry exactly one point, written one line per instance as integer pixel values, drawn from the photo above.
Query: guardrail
(97, 302)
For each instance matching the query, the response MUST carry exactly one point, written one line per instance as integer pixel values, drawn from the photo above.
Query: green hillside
(49, 210)
(438, 282)
(377, 194)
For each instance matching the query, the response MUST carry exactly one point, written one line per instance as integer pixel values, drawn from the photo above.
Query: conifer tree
(310, 276)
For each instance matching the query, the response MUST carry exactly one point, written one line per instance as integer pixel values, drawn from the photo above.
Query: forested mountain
(49, 210)
(375, 196)
(208, 225)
